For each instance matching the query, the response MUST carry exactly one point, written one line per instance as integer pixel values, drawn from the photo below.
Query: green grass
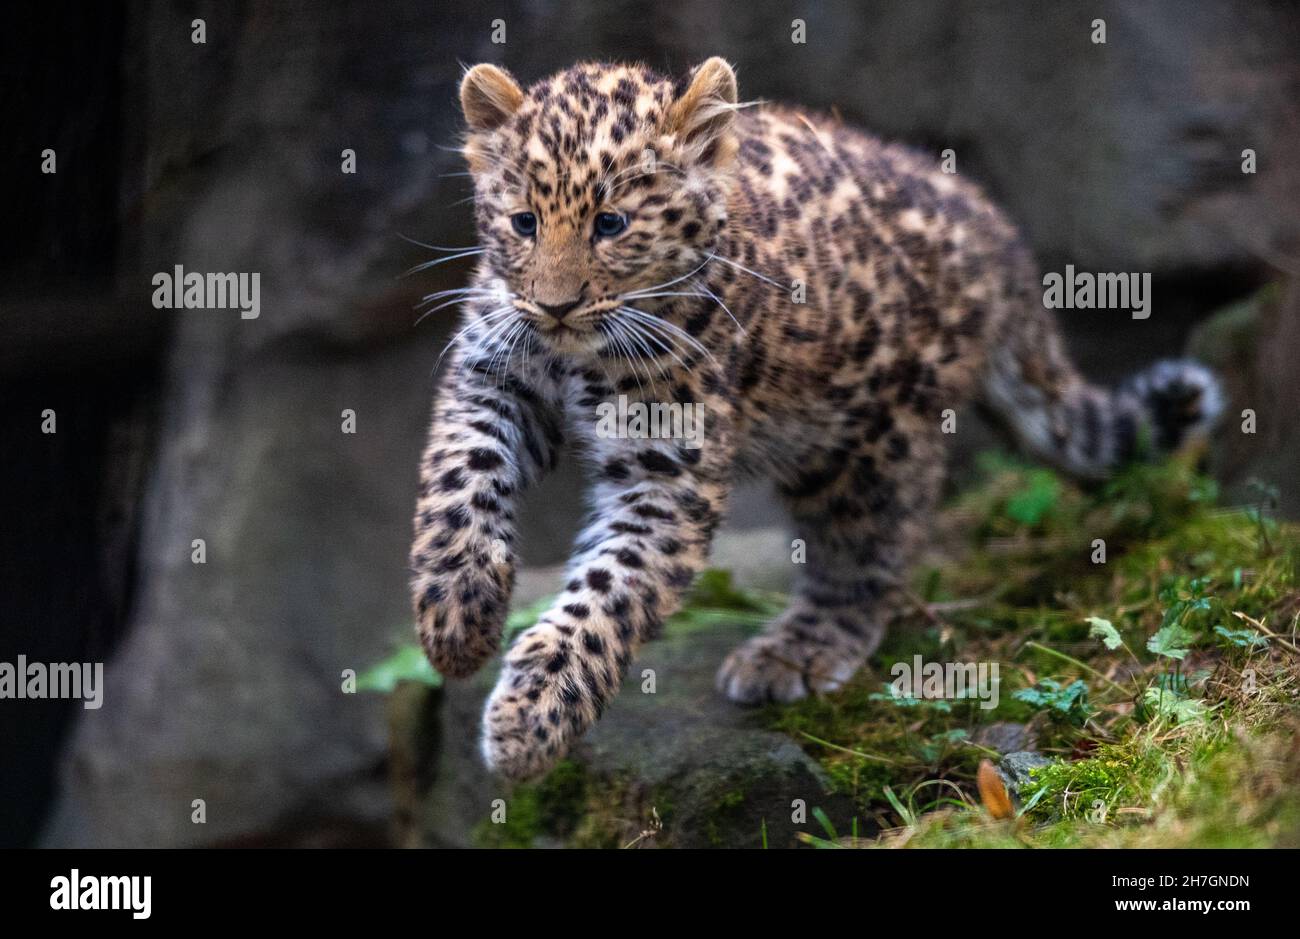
(1151, 680)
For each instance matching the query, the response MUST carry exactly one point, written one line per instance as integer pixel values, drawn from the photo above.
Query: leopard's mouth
(578, 333)
(581, 338)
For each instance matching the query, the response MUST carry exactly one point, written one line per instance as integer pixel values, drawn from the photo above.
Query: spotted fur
(824, 296)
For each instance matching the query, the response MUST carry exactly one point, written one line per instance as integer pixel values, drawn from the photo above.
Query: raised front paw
(460, 611)
(781, 667)
(553, 685)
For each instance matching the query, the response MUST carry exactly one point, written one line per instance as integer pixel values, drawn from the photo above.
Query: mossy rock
(679, 767)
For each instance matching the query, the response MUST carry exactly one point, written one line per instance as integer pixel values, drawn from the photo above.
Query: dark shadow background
(223, 681)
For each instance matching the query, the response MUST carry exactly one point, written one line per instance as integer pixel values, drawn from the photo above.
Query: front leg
(656, 508)
(491, 435)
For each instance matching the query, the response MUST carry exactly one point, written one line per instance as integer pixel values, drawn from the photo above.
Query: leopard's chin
(573, 343)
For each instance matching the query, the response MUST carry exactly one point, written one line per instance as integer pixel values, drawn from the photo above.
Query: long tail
(1083, 429)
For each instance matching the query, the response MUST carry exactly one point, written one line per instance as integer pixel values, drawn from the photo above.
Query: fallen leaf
(992, 792)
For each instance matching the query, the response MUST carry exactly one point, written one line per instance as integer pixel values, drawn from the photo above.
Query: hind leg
(860, 530)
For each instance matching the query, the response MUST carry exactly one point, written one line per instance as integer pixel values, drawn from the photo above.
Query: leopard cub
(821, 297)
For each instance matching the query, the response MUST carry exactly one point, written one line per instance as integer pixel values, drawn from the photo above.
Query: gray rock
(1014, 769)
(1252, 345)
(712, 773)
(228, 688)
(1005, 736)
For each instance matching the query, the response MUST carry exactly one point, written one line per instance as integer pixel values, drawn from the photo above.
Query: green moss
(565, 807)
(523, 824)
(725, 807)
(1219, 792)
(1166, 746)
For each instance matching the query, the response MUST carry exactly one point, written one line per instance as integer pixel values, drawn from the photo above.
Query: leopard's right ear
(489, 97)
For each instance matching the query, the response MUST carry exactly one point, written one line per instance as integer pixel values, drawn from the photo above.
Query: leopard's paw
(460, 616)
(550, 690)
(778, 667)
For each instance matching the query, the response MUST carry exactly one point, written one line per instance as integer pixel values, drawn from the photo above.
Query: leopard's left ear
(703, 114)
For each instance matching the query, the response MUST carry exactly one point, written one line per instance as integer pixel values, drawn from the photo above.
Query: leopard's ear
(703, 114)
(489, 97)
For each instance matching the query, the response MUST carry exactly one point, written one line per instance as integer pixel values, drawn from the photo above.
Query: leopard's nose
(558, 310)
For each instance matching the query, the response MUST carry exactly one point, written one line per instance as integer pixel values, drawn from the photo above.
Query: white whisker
(718, 301)
(510, 350)
(625, 352)
(647, 336)
(676, 280)
(459, 292)
(421, 244)
(742, 267)
(502, 313)
(457, 296)
(434, 263)
(650, 319)
(664, 293)
(452, 302)
(645, 354)
(501, 350)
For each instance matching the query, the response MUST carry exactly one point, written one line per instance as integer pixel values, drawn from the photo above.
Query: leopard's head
(599, 191)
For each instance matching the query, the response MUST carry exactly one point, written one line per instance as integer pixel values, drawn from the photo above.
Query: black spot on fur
(656, 462)
(484, 459)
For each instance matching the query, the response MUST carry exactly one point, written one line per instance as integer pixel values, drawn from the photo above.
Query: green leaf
(1041, 493)
(714, 589)
(1242, 638)
(406, 664)
(522, 619)
(1104, 630)
(1172, 641)
(715, 599)
(892, 695)
(934, 749)
(1069, 702)
(1160, 702)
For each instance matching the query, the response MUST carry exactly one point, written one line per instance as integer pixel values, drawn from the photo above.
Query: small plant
(1040, 495)
(1241, 638)
(1066, 702)
(408, 663)
(1267, 497)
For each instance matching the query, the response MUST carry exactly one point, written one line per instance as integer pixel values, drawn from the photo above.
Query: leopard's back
(874, 282)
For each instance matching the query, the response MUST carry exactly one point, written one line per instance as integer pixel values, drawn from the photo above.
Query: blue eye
(525, 223)
(608, 224)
